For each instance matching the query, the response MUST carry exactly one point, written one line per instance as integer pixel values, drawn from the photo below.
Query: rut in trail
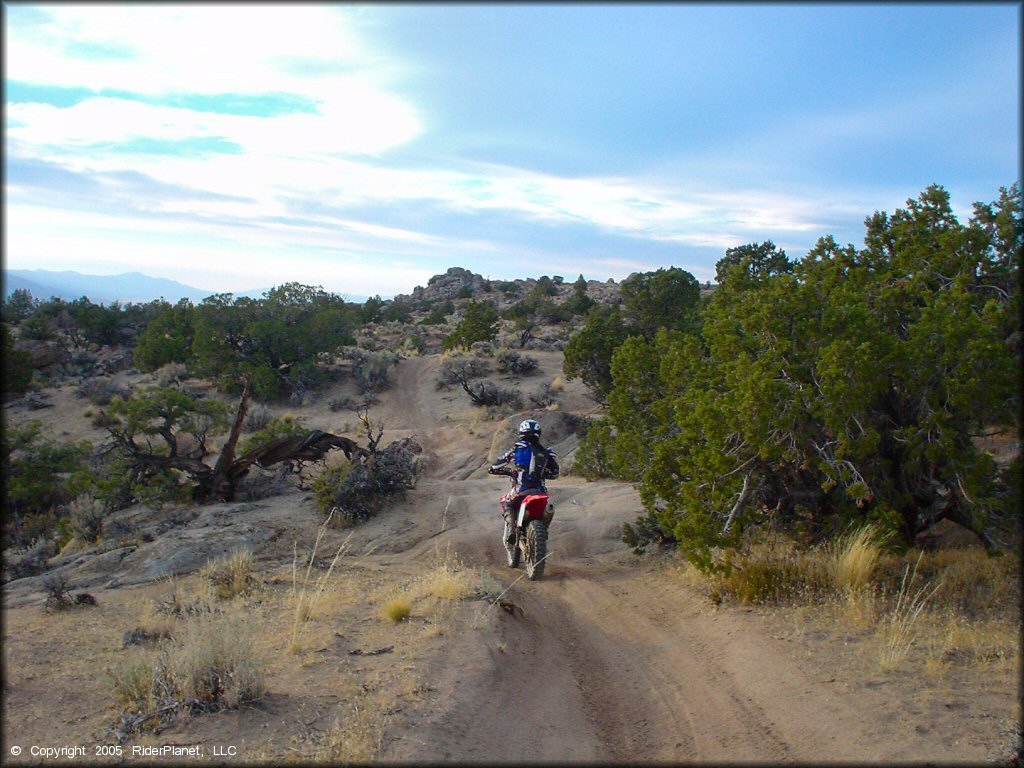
(609, 662)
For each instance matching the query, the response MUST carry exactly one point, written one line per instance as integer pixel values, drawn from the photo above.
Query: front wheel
(536, 549)
(511, 545)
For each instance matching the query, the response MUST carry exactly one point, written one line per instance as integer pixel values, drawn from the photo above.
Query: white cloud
(182, 48)
(354, 119)
(209, 49)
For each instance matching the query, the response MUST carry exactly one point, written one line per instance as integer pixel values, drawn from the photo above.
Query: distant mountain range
(130, 287)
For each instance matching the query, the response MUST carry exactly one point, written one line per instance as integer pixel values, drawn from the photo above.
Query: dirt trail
(608, 662)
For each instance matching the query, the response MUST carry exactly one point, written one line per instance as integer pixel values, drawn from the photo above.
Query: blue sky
(366, 148)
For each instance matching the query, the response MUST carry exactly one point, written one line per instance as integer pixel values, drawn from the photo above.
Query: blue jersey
(535, 464)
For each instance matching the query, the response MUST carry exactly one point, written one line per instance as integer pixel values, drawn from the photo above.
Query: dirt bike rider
(533, 462)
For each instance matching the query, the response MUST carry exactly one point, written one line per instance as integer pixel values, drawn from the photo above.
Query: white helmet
(530, 427)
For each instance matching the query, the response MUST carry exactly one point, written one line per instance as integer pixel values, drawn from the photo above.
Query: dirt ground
(611, 657)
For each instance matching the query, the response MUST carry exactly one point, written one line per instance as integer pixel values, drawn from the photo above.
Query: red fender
(535, 505)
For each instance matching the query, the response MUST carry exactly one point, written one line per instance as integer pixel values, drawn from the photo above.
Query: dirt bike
(526, 526)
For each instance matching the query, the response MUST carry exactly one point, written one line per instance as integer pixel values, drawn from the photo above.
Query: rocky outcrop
(461, 283)
(456, 283)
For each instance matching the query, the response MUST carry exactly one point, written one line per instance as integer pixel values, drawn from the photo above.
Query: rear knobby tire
(511, 550)
(536, 549)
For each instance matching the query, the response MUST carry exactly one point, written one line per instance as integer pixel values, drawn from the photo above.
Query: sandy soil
(609, 658)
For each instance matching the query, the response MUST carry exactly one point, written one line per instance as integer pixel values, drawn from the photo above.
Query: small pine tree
(479, 323)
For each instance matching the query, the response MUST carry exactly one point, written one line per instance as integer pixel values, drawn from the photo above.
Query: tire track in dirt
(657, 695)
(414, 405)
(613, 663)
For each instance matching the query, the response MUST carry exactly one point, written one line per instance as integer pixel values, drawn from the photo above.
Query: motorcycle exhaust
(549, 514)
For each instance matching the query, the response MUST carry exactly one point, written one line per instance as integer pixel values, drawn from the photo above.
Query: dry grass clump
(171, 374)
(774, 569)
(210, 664)
(950, 639)
(131, 682)
(953, 606)
(354, 739)
(86, 515)
(179, 602)
(397, 608)
(231, 575)
(59, 597)
(771, 570)
(446, 582)
(852, 558)
(213, 661)
(971, 582)
(29, 560)
(100, 390)
(448, 579)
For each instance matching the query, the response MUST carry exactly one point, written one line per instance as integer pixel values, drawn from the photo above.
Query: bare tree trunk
(225, 473)
(741, 502)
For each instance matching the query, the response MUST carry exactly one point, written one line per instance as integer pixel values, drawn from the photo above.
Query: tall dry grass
(307, 594)
(955, 606)
(851, 559)
(898, 628)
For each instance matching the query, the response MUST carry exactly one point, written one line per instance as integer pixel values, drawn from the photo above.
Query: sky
(366, 147)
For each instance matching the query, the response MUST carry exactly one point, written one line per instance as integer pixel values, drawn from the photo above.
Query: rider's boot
(506, 515)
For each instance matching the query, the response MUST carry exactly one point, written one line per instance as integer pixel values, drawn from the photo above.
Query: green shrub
(372, 370)
(20, 305)
(488, 393)
(646, 530)
(479, 323)
(17, 370)
(414, 344)
(111, 479)
(592, 460)
(36, 471)
(438, 314)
